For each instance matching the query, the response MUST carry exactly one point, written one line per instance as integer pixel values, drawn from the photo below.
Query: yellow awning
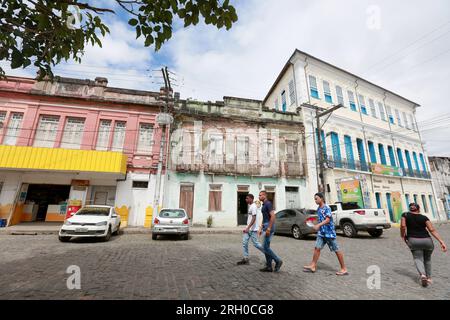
(33, 158)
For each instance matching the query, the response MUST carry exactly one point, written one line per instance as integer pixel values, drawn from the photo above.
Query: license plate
(380, 227)
(81, 230)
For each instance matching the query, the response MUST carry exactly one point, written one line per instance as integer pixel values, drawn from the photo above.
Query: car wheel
(296, 232)
(64, 239)
(154, 236)
(375, 233)
(349, 229)
(108, 235)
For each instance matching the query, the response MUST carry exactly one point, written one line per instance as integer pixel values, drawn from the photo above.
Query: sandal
(339, 273)
(424, 281)
(308, 269)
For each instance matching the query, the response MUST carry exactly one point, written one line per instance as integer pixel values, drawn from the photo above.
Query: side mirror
(114, 215)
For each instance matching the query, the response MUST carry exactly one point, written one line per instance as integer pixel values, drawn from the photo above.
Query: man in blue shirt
(326, 234)
(268, 227)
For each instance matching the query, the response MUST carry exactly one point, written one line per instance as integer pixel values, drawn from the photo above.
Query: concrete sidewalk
(39, 228)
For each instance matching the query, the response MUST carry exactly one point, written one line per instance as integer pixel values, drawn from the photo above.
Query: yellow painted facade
(148, 217)
(33, 158)
(123, 212)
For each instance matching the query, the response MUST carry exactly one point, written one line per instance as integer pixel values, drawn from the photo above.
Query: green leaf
(149, 41)
(138, 32)
(133, 22)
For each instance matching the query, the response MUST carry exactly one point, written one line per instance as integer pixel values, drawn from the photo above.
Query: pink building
(73, 142)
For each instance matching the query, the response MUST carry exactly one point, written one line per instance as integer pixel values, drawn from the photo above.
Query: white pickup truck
(350, 218)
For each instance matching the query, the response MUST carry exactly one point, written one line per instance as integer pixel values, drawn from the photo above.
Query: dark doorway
(271, 198)
(45, 194)
(242, 210)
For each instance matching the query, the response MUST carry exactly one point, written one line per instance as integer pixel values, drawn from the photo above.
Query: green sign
(386, 170)
(351, 192)
(397, 206)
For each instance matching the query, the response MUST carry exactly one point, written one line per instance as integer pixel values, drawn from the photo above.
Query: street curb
(123, 231)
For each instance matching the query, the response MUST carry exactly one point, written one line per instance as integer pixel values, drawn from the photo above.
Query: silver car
(171, 222)
(296, 222)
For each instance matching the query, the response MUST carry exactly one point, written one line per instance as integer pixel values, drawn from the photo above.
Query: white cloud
(245, 61)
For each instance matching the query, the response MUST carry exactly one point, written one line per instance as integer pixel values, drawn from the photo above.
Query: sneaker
(278, 266)
(243, 261)
(266, 269)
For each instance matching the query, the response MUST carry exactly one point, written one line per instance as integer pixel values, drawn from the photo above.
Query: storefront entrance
(45, 202)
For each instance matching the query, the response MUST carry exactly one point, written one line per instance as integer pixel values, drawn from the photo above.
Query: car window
(172, 213)
(350, 206)
(310, 211)
(92, 211)
(281, 214)
(333, 208)
(291, 214)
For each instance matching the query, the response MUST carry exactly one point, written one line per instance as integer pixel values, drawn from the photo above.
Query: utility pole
(163, 119)
(320, 112)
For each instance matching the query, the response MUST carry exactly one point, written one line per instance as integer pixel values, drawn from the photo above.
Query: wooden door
(187, 199)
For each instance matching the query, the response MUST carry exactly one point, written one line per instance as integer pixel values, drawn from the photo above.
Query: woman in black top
(415, 230)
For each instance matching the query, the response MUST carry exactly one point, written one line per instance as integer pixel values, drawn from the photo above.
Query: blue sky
(407, 52)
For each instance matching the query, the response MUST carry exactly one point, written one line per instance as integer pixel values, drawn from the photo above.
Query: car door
(291, 220)
(281, 221)
(334, 209)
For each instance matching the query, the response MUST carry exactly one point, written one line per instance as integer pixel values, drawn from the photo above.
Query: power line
(407, 46)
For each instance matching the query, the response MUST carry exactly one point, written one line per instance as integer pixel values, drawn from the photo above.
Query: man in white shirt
(251, 231)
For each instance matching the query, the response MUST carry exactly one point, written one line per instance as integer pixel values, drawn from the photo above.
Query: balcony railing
(292, 168)
(364, 166)
(241, 166)
(346, 164)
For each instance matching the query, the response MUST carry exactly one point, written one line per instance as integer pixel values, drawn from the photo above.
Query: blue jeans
(254, 237)
(270, 255)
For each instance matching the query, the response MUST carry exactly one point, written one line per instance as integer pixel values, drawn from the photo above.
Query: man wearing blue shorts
(326, 234)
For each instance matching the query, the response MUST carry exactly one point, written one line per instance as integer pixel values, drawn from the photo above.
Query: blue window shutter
(349, 152)
(416, 161)
(408, 161)
(400, 158)
(373, 156)
(382, 154)
(392, 156)
(422, 160)
(362, 154)
(336, 149)
(378, 197)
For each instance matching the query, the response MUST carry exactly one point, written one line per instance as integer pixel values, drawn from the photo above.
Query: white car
(171, 222)
(350, 218)
(91, 221)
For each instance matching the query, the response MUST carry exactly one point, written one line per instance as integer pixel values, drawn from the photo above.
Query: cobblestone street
(135, 267)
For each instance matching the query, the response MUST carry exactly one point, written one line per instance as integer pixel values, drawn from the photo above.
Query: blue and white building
(374, 138)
